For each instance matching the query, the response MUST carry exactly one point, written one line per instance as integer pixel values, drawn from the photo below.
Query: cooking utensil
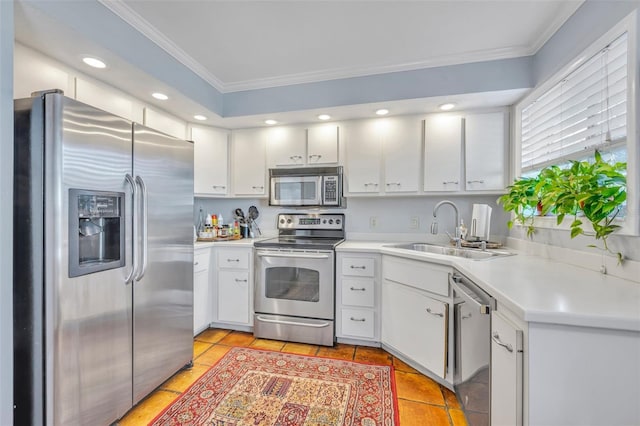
(253, 215)
(240, 215)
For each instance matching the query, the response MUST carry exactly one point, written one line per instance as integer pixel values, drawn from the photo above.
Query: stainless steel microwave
(306, 187)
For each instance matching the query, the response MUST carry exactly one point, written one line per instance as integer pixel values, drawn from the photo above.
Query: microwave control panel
(330, 190)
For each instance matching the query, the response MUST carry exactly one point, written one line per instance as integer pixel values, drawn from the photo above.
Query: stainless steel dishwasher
(472, 363)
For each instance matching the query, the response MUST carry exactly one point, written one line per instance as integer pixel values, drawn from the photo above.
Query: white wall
(6, 212)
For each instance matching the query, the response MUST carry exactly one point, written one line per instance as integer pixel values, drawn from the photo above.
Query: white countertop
(243, 242)
(539, 289)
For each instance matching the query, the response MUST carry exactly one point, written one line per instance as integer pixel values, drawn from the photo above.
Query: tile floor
(421, 401)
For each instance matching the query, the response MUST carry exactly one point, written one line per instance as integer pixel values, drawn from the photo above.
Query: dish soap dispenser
(463, 230)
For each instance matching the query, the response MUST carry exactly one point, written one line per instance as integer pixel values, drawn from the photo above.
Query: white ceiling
(242, 45)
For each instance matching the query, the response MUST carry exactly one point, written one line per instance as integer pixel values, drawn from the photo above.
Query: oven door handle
(295, 255)
(304, 324)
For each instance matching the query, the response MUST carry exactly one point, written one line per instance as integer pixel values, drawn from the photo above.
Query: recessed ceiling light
(382, 111)
(94, 62)
(270, 122)
(200, 117)
(160, 96)
(324, 116)
(447, 107)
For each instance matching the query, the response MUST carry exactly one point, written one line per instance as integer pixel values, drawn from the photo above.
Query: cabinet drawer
(358, 292)
(201, 260)
(358, 266)
(233, 259)
(358, 323)
(421, 275)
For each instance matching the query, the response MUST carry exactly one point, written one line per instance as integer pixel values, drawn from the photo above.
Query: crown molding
(562, 17)
(340, 73)
(130, 16)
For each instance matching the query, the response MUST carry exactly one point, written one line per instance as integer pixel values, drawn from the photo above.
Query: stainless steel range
(295, 279)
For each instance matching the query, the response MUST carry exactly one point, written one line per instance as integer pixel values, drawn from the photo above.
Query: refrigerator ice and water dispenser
(96, 231)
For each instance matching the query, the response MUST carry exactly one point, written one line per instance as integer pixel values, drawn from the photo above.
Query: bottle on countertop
(463, 230)
(220, 220)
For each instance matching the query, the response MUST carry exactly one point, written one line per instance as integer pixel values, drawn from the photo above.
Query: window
(589, 104)
(585, 111)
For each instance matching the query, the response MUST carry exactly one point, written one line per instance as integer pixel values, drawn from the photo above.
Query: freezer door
(72, 333)
(163, 284)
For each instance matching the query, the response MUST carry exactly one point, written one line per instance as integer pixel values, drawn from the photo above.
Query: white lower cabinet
(415, 325)
(506, 372)
(201, 295)
(234, 286)
(415, 313)
(357, 298)
(233, 296)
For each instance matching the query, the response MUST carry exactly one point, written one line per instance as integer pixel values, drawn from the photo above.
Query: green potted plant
(594, 191)
(591, 190)
(524, 199)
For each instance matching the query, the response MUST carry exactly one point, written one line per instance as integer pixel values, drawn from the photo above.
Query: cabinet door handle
(437, 314)
(316, 156)
(357, 289)
(240, 281)
(466, 316)
(475, 181)
(218, 186)
(370, 184)
(393, 184)
(358, 267)
(357, 319)
(233, 260)
(196, 264)
(447, 182)
(257, 187)
(496, 338)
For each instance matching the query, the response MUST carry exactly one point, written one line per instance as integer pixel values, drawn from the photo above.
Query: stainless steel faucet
(434, 225)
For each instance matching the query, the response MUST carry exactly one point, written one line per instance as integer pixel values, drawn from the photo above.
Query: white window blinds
(587, 110)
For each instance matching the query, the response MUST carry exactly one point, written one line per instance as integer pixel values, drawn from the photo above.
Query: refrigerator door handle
(134, 196)
(144, 197)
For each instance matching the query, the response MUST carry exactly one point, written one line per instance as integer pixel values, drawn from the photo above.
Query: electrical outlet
(373, 222)
(414, 222)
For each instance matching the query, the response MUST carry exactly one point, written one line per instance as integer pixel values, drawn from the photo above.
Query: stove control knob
(330, 221)
(282, 221)
(324, 220)
(288, 221)
(337, 221)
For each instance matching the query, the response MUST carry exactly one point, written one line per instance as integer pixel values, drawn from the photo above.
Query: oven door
(295, 191)
(295, 283)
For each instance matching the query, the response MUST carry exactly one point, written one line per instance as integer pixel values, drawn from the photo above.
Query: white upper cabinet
(442, 152)
(248, 162)
(296, 146)
(486, 151)
(401, 151)
(363, 144)
(108, 99)
(388, 147)
(165, 123)
(322, 144)
(286, 146)
(211, 149)
(34, 72)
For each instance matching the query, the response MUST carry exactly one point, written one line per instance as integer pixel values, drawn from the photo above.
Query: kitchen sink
(467, 253)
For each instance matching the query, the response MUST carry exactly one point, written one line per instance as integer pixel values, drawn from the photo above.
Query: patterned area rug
(256, 387)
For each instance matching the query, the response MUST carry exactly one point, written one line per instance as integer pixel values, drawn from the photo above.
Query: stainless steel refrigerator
(103, 269)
